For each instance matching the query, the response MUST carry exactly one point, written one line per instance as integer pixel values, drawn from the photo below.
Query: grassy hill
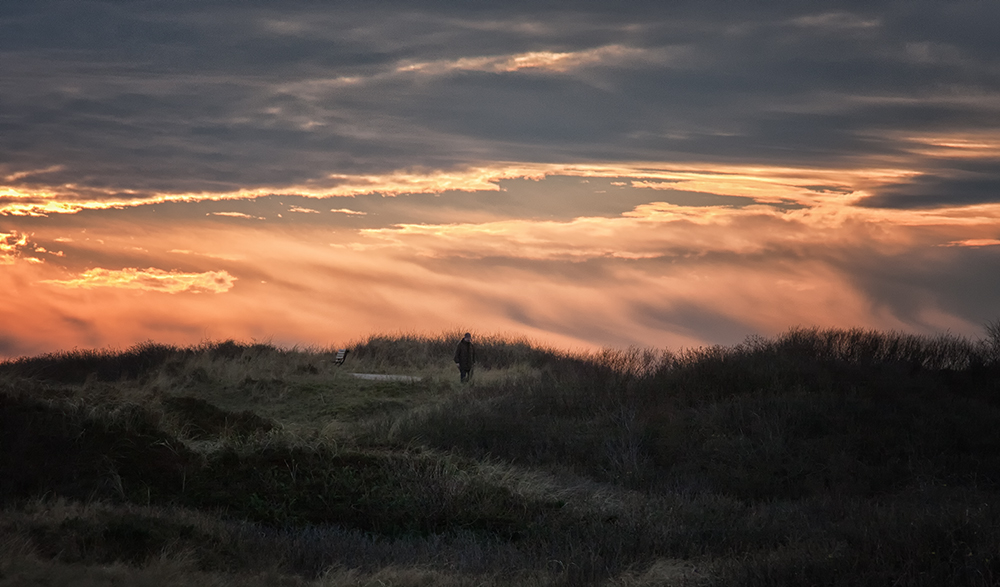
(841, 457)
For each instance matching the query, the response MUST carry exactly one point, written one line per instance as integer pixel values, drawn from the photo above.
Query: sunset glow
(584, 177)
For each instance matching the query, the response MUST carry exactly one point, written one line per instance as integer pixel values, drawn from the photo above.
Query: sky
(583, 174)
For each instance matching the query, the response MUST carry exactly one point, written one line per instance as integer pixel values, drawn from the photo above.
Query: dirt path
(381, 377)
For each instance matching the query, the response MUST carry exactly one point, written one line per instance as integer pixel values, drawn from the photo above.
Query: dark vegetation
(841, 457)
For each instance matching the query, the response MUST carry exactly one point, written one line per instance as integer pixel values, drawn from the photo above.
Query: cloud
(210, 101)
(15, 247)
(151, 279)
(236, 215)
(962, 188)
(835, 21)
(763, 183)
(661, 274)
(11, 246)
(207, 255)
(748, 167)
(974, 242)
(549, 61)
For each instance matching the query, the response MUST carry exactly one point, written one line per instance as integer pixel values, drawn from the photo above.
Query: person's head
(468, 336)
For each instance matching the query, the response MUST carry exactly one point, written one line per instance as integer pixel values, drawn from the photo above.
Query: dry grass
(819, 457)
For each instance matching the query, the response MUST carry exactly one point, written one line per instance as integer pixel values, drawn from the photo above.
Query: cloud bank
(204, 99)
(663, 173)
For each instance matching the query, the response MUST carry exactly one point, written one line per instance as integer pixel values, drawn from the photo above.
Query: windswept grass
(825, 457)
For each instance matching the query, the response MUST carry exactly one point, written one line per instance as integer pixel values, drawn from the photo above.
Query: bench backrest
(341, 355)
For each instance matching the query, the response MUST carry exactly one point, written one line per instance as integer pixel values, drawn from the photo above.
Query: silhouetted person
(465, 356)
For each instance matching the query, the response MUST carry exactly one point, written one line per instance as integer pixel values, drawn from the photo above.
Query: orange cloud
(974, 242)
(235, 215)
(827, 193)
(151, 279)
(651, 230)
(969, 145)
(659, 274)
(11, 245)
(618, 55)
(30, 172)
(662, 275)
(767, 184)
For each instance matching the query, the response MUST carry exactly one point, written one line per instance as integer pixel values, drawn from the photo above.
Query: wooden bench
(341, 355)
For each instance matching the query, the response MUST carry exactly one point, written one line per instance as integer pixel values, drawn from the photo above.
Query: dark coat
(465, 355)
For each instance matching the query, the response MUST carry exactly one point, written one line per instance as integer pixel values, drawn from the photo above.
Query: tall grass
(826, 457)
(411, 352)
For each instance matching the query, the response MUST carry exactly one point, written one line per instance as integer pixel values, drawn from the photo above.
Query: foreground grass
(819, 457)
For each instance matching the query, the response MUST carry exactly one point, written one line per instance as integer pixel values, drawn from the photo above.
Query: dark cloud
(962, 280)
(215, 96)
(959, 188)
(694, 321)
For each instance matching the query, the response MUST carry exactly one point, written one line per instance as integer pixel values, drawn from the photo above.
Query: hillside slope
(841, 457)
